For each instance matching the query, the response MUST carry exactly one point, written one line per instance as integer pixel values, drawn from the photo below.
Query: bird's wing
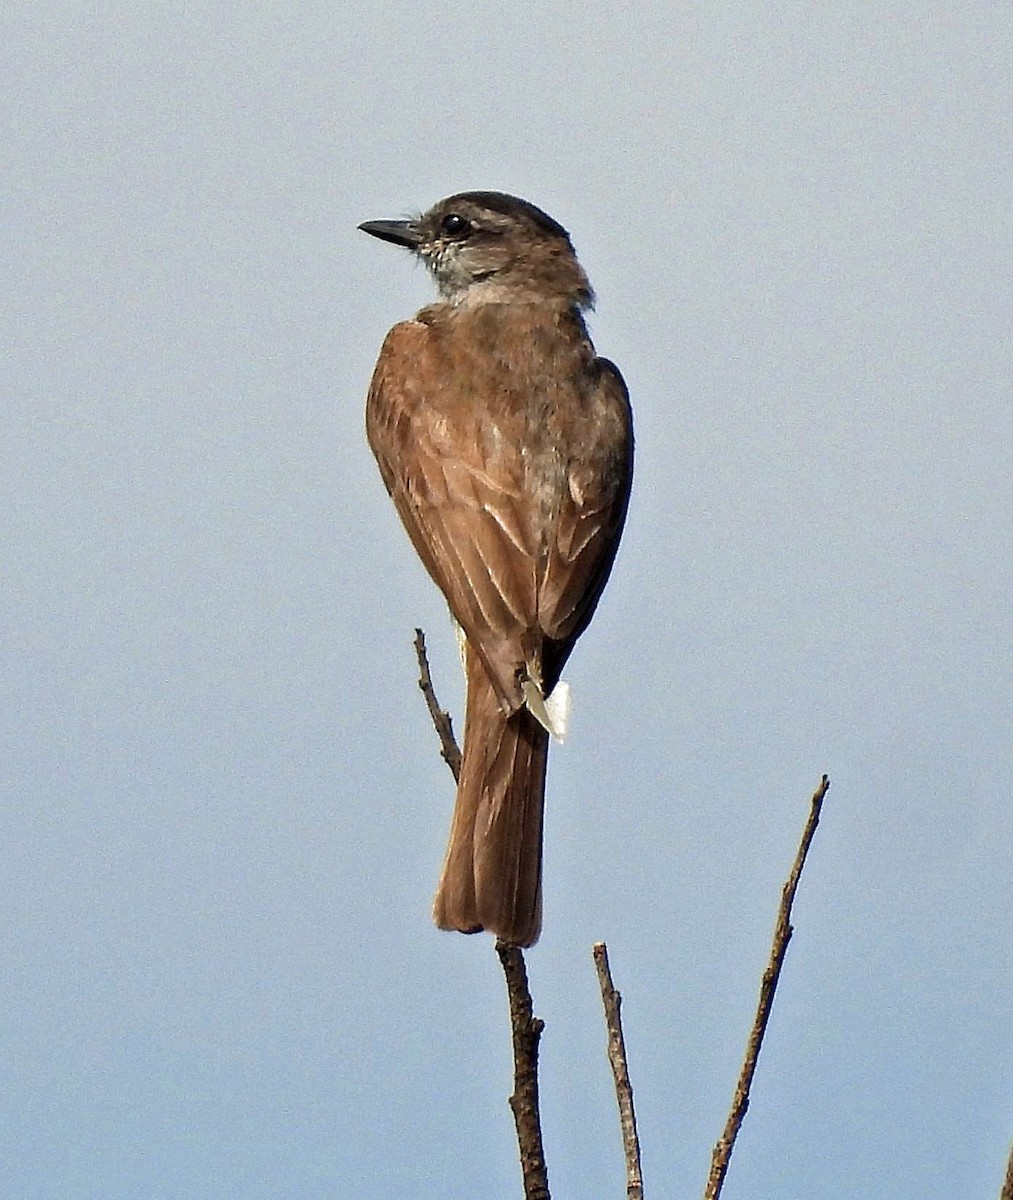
(591, 512)
(457, 484)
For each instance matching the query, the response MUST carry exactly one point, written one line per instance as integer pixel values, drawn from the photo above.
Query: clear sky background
(223, 806)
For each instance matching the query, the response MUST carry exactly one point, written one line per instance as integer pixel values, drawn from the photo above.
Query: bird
(506, 445)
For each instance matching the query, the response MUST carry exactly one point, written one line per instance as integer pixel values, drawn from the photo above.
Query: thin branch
(612, 1001)
(1007, 1187)
(441, 718)
(782, 935)
(526, 1030)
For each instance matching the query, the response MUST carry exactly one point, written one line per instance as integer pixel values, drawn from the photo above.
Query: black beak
(401, 233)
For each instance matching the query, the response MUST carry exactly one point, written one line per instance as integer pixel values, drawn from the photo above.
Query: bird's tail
(492, 874)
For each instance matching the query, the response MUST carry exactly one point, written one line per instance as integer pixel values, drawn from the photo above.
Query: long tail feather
(492, 873)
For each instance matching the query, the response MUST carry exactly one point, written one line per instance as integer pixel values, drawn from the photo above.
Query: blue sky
(224, 806)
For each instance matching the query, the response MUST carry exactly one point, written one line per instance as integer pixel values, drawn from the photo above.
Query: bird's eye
(455, 226)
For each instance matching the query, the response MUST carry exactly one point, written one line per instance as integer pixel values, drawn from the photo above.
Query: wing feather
(462, 510)
(591, 513)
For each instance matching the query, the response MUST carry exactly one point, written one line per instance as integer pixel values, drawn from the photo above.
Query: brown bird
(507, 447)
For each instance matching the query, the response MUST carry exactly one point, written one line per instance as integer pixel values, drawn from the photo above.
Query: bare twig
(612, 1001)
(441, 718)
(782, 935)
(526, 1030)
(1007, 1187)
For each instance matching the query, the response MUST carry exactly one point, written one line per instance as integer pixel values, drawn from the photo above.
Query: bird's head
(491, 247)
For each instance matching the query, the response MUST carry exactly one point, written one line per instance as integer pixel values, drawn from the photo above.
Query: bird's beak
(401, 233)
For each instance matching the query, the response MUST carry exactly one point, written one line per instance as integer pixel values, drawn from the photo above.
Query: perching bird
(507, 447)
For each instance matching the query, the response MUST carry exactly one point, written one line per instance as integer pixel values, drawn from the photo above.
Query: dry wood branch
(441, 718)
(612, 1002)
(782, 935)
(1007, 1187)
(526, 1030)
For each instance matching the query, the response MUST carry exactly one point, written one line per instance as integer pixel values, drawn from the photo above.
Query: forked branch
(526, 1029)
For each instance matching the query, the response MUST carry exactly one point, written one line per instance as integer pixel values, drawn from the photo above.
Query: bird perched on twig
(507, 447)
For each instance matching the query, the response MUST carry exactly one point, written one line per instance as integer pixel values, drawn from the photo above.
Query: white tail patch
(462, 646)
(552, 712)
